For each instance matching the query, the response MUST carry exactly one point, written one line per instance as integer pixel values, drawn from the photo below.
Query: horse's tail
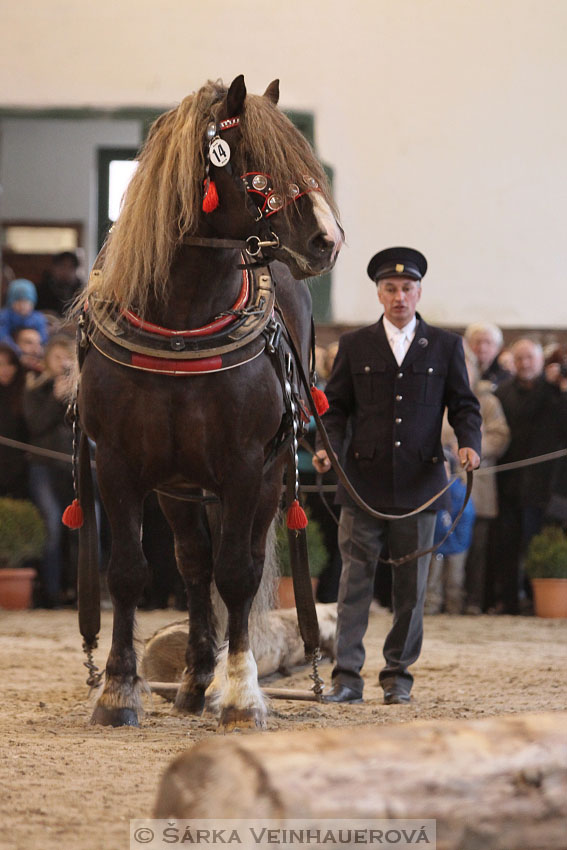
(264, 601)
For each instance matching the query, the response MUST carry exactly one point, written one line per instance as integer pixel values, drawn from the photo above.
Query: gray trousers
(361, 539)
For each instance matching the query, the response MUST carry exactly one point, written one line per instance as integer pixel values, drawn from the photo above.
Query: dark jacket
(55, 295)
(13, 462)
(45, 419)
(537, 417)
(394, 457)
(496, 374)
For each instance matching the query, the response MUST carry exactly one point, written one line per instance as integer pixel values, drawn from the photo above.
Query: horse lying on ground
(277, 648)
(188, 383)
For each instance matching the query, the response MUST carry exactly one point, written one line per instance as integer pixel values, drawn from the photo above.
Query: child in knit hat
(20, 311)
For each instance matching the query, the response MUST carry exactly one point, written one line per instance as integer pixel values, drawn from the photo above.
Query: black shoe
(342, 693)
(396, 697)
(396, 692)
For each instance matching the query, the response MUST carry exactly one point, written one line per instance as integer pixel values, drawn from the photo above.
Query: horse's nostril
(321, 244)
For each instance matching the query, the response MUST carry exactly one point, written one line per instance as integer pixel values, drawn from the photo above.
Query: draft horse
(227, 214)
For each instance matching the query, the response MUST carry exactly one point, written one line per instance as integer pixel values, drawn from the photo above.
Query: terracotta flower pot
(550, 597)
(16, 587)
(286, 596)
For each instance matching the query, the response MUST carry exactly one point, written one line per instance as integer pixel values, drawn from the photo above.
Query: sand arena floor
(71, 786)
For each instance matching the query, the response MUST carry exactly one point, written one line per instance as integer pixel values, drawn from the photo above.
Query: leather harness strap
(302, 587)
(213, 242)
(88, 584)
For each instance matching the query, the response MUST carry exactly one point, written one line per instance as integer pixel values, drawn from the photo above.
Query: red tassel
(73, 515)
(320, 399)
(211, 198)
(296, 516)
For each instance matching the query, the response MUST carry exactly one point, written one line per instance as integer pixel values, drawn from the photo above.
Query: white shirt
(400, 339)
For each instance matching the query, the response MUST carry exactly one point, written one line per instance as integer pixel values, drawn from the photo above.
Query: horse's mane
(163, 201)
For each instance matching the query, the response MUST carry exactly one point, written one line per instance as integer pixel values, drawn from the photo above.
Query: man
(60, 284)
(485, 341)
(535, 406)
(390, 384)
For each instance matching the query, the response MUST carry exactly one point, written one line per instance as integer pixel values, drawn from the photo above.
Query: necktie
(399, 348)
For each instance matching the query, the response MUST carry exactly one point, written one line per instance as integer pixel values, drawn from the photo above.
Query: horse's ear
(273, 92)
(236, 96)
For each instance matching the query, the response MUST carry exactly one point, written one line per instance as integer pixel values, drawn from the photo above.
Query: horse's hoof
(190, 703)
(241, 718)
(103, 716)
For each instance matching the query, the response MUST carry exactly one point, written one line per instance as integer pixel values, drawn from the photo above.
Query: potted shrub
(22, 536)
(546, 566)
(318, 558)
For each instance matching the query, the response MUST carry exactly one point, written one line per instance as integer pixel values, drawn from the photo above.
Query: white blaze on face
(327, 222)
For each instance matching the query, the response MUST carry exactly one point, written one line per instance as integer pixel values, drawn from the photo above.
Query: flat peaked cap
(397, 262)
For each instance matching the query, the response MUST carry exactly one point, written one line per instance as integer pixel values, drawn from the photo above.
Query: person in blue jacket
(446, 582)
(20, 312)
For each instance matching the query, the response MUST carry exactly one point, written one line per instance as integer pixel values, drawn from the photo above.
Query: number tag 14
(219, 152)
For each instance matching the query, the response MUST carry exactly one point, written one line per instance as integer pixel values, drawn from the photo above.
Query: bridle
(262, 200)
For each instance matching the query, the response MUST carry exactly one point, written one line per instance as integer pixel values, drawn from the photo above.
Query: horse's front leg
(238, 571)
(119, 702)
(193, 552)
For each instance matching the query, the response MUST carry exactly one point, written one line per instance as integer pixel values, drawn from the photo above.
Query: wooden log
(169, 691)
(495, 784)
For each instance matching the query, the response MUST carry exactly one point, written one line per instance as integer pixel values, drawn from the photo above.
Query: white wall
(48, 168)
(445, 121)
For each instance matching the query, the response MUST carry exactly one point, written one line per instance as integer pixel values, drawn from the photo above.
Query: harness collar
(217, 324)
(231, 338)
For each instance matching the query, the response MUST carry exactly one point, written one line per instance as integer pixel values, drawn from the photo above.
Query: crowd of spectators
(523, 397)
(37, 354)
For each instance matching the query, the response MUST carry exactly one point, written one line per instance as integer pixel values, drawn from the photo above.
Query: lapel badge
(423, 342)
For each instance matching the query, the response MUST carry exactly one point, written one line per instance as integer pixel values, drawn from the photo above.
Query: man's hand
(469, 459)
(321, 462)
